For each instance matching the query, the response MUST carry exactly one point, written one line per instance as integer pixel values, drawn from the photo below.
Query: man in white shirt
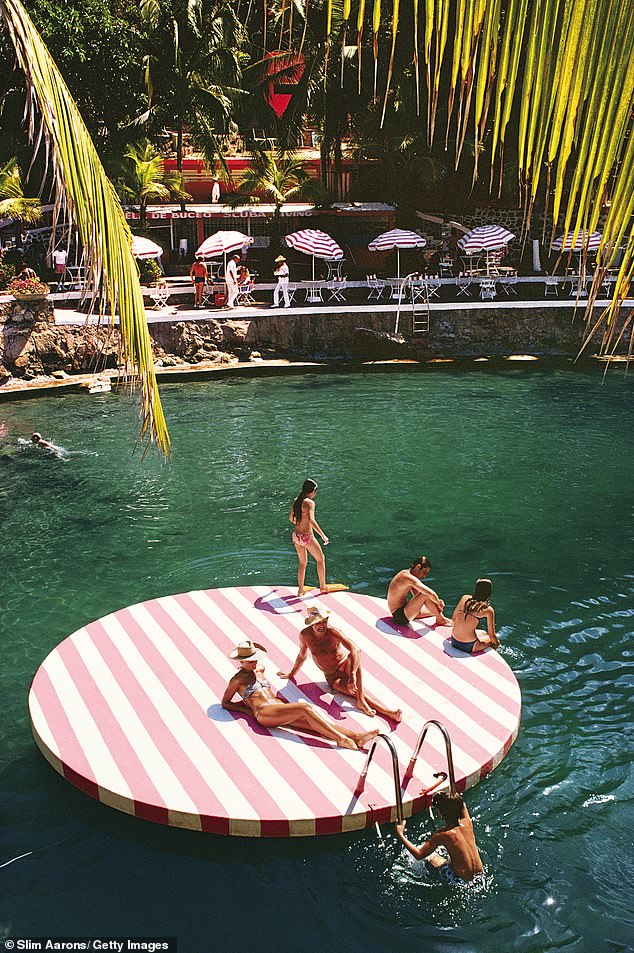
(281, 273)
(59, 265)
(231, 280)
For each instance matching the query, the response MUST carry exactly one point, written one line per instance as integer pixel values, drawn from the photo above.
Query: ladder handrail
(419, 745)
(395, 771)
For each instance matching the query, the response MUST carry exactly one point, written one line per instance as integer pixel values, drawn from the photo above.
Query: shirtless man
(456, 837)
(39, 441)
(199, 275)
(340, 661)
(424, 601)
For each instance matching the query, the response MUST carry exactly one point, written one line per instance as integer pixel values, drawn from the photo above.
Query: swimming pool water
(523, 475)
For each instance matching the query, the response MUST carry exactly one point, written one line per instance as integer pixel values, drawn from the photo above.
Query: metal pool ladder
(398, 795)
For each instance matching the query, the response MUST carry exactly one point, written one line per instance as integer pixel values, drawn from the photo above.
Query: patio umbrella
(397, 238)
(485, 238)
(582, 242)
(144, 248)
(311, 241)
(222, 242)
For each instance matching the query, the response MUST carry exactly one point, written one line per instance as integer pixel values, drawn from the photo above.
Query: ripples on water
(523, 476)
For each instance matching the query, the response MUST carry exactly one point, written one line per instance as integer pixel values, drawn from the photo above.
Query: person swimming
(258, 699)
(456, 837)
(465, 636)
(302, 514)
(38, 440)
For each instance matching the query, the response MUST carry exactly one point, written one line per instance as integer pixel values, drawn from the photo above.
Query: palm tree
(144, 179)
(13, 203)
(84, 190)
(278, 177)
(193, 69)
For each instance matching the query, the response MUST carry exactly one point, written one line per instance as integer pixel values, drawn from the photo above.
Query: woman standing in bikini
(259, 700)
(466, 637)
(303, 516)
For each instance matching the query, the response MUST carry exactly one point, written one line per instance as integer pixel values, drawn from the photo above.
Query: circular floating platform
(128, 710)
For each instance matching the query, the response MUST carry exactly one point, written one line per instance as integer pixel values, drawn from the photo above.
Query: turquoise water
(523, 475)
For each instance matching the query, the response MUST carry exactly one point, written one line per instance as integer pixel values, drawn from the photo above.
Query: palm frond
(83, 188)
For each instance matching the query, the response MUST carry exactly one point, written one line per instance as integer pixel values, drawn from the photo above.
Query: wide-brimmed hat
(315, 615)
(248, 651)
(280, 258)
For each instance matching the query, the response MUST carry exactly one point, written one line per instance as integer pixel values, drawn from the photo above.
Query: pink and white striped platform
(128, 710)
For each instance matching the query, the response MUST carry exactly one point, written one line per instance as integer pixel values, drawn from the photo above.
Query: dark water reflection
(524, 476)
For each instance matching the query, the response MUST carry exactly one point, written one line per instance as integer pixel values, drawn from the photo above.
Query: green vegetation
(532, 97)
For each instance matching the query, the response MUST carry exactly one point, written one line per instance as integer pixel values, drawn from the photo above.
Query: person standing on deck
(199, 276)
(281, 273)
(303, 516)
(231, 279)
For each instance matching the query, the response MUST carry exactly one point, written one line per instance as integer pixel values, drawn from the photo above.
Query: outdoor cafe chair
(336, 289)
(551, 286)
(463, 284)
(433, 286)
(159, 296)
(375, 287)
(245, 297)
(445, 266)
(487, 289)
(508, 284)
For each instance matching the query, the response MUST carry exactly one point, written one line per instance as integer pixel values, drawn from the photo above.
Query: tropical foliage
(144, 179)
(84, 190)
(13, 202)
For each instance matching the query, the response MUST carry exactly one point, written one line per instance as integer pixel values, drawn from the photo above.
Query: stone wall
(34, 347)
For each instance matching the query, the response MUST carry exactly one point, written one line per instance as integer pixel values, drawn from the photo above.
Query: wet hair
(308, 487)
(481, 597)
(421, 561)
(449, 806)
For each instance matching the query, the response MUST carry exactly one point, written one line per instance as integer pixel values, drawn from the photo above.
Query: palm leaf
(83, 188)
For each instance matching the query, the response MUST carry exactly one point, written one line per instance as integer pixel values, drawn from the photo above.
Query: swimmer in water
(259, 700)
(39, 441)
(457, 838)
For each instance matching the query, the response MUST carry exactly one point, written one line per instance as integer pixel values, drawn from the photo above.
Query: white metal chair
(245, 297)
(463, 284)
(375, 287)
(487, 289)
(336, 289)
(551, 286)
(159, 296)
(433, 286)
(445, 266)
(508, 284)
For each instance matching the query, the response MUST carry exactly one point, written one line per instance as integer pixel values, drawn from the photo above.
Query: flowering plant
(28, 286)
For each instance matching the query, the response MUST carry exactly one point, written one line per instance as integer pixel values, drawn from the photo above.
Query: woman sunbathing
(465, 635)
(258, 699)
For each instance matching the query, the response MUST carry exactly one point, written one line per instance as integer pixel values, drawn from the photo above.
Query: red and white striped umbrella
(312, 241)
(222, 242)
(582, 242)
(485, 238)
(397, 238)
(145, 248)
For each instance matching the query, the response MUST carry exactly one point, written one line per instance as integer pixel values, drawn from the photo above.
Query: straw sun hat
(316, 615)
(248, 651)
(280, 258)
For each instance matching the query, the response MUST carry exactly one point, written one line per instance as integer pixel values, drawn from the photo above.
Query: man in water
(39, 441)
(340, 661)
(456, 837)
(408, 598)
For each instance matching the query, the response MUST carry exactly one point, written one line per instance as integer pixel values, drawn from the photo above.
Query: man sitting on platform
(340, 661)
(424, 602)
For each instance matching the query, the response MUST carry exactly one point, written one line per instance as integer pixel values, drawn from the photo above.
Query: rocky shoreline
(35, 351)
